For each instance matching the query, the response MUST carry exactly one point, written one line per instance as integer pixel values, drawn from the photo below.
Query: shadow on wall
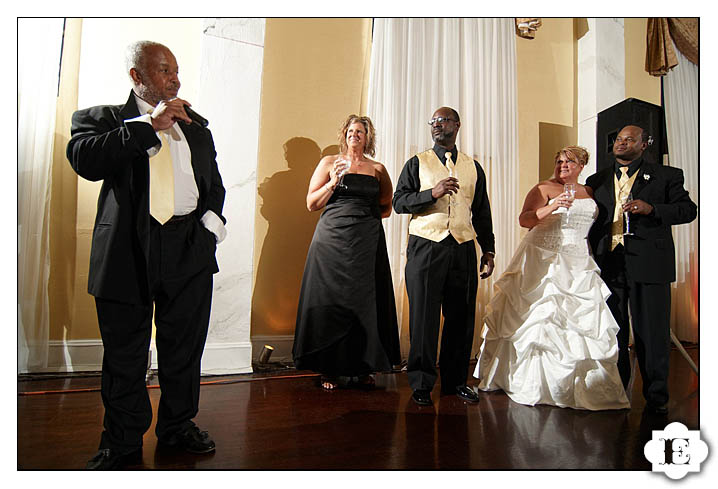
(290, 230)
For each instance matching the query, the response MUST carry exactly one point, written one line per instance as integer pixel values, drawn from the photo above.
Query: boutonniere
(646, 177)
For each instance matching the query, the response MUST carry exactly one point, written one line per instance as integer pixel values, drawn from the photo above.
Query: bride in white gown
(549, 337)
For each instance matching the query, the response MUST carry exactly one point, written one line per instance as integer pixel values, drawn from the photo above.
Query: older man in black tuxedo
(639, 268)
(159, 219)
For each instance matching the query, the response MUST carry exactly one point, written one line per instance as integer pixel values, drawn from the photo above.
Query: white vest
(439, 220)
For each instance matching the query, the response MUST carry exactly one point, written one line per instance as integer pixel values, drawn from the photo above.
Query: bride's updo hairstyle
(578, 154)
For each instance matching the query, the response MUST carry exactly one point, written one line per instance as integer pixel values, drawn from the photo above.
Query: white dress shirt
(186, 192)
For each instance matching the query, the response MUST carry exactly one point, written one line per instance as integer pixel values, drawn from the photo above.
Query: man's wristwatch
(493, 255)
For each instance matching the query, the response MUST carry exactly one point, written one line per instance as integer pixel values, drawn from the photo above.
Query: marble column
(229, 96)
(601, 78)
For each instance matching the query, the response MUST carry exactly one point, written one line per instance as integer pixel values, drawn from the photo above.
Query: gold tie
(622, 190)
(450, 164)
(162, 183)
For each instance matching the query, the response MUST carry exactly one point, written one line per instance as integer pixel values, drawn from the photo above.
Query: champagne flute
(570, 189)
(625, 199)
(344, 170)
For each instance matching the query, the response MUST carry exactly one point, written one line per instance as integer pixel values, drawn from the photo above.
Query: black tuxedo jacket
(650, 254)
(104, 148)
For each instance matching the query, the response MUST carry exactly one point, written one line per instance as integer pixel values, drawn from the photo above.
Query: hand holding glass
(343, 169)
(570, 191)
(626, 213)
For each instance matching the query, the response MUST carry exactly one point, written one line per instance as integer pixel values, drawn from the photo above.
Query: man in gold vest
(445, 193)
(639, 268)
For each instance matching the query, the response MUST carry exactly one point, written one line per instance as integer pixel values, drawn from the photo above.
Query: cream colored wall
(546, 81)
(639, 84)
(315, 75)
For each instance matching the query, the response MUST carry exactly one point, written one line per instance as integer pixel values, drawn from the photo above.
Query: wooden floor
(284, 421)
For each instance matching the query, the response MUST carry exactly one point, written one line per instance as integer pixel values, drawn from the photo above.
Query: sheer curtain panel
(680, 87)
(419, 65)
(39, 49)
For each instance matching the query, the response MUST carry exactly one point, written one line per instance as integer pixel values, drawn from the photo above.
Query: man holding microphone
(159, 219)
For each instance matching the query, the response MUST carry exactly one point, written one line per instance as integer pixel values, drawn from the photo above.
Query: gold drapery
(684, 32)
(661, 34)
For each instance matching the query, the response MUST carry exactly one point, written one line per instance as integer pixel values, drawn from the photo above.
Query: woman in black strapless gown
(346, 319)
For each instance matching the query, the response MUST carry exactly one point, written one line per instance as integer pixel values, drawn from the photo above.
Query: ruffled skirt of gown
(549, 337)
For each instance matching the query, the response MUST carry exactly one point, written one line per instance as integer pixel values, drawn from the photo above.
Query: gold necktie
(162, 183)
(450, 164)
(622, 191)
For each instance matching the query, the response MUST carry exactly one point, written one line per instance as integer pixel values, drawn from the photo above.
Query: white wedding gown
(549, 337)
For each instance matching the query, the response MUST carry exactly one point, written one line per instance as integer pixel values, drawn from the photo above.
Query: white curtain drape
(39, 50)
(680, 88)
(419, 65)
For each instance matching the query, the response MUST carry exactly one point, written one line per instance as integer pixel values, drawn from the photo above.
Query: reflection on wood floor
(277, 421)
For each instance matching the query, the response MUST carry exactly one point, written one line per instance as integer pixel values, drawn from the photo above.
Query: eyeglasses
(440, 120)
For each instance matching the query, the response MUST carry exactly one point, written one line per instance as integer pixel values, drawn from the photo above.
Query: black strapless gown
(346, 319)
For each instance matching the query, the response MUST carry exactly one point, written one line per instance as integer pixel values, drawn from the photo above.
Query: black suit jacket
(650, 254)
(104, 148)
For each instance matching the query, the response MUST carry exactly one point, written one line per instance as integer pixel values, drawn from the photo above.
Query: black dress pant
(440, 278)
(650, 306)
(181, 268)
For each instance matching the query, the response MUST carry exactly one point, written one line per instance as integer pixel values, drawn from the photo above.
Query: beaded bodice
(566, 233)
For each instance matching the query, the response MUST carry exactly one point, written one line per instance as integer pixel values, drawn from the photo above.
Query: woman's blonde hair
(578, 154)
(370, 146)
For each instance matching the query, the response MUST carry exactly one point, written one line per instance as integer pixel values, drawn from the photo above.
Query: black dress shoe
(109, 459)
(191, 440)
(661, 409)
(466, 393)
(422, 397)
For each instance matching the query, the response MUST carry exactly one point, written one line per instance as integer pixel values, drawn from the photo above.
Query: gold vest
(439, 219)
(620, 189)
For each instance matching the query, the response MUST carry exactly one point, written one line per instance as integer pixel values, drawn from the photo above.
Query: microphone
(195, 116)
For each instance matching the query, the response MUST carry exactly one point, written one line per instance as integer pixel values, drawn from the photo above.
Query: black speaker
(631, 111)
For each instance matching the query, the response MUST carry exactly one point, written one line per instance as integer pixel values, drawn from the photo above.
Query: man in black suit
(444, 190)
(639, 268)
(159, 219)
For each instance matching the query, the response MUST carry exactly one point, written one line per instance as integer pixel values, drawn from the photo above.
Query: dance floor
(283, 420)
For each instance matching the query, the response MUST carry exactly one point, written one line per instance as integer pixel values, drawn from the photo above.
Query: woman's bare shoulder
(378, 166)
(327, 160)
(546, 186)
